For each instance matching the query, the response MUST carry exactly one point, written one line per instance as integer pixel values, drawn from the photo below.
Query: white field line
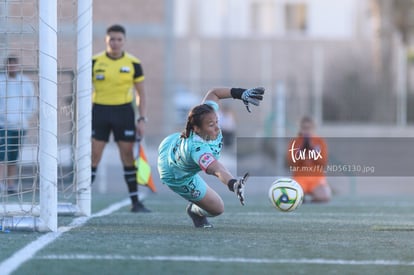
(227, 260)
(26, 253)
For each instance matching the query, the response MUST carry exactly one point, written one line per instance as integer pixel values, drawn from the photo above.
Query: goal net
(45, 103)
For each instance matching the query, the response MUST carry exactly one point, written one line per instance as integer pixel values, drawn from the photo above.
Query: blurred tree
(390, 18)
(393, 22)
(404, 19)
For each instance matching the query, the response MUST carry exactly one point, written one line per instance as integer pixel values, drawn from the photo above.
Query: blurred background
(349, 64)
(345, 62)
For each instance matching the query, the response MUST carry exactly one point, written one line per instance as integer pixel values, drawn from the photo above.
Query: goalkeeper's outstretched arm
(248, 96)
(217, 169)
(235, 185)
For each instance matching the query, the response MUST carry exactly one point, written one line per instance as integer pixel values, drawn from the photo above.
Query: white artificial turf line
(26, 253)
(226, 260)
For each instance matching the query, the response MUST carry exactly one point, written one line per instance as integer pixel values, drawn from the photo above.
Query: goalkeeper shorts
(194, 190)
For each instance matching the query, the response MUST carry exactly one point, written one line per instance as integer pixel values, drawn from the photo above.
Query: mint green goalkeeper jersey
(180, 159)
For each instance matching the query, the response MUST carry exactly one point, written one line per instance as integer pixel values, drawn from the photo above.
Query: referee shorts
(119, 119)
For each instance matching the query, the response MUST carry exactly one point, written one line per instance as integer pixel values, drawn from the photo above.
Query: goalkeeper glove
(237, 186)
(253, 96)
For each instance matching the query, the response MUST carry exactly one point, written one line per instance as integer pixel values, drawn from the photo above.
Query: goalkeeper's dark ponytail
(195, 118)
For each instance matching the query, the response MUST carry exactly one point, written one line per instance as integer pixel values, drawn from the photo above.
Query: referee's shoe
(138, 207)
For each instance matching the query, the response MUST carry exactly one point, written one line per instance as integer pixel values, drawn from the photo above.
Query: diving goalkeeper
(183, 155)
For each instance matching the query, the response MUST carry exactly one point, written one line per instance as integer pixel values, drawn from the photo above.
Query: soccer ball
(286, 194)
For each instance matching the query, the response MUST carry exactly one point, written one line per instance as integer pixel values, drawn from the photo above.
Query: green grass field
(346, 236)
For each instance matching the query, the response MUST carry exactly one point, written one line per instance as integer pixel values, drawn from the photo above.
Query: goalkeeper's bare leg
(210, 206)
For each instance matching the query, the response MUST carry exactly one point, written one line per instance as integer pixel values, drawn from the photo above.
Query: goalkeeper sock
(200, 211)
(93, 174)
(130, 175)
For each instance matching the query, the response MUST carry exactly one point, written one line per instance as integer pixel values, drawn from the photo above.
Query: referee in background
(116, 74)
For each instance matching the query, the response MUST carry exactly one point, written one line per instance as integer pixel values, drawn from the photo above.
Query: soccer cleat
(199, 221)
(138, 207)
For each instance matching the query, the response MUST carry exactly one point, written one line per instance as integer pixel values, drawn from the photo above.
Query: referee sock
(130, 175)
(93, 174)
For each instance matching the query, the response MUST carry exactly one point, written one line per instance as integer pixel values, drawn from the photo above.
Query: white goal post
(84, 107)
(48, 147)
(41, 212)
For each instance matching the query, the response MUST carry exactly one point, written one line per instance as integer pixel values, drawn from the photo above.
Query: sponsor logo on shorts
(191, 188)
(195, 194)
(205, 160)
(129, 133)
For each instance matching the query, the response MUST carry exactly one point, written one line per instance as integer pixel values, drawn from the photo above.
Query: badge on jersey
(125, 69)
(205, 160)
